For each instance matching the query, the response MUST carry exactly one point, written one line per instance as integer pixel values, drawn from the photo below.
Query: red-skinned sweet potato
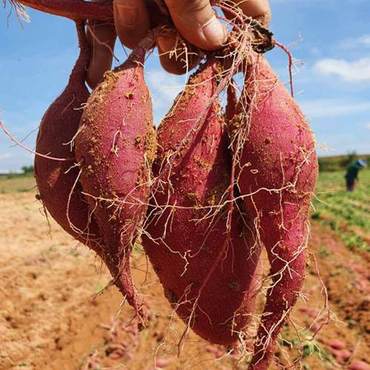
(207, 271)
(277, 176)
(57, 180)
(115, 148)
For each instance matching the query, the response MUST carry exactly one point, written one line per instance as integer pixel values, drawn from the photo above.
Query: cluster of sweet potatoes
(204, 193)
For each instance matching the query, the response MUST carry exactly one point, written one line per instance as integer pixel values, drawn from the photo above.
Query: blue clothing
(352, 171)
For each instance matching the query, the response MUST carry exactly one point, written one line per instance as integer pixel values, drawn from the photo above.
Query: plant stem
(73, 9)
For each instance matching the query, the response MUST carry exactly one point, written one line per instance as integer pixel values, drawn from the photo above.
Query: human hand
(195, 20)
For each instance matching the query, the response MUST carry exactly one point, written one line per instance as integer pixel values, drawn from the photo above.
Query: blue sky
(330, 40)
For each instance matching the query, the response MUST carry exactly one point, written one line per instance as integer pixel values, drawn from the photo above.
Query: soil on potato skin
(52, 315)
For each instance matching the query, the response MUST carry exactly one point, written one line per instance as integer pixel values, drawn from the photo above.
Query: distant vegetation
(340, 162)
(27, 170)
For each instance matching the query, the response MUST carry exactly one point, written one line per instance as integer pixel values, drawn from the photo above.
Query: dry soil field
(57, 310)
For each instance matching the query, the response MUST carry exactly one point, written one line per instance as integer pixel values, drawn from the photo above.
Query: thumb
(197, 23)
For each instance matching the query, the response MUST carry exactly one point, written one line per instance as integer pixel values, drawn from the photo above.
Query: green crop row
(347, 213)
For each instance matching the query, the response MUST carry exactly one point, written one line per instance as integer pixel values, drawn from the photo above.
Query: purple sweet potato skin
(57, 181)
(115, 148)
(279, 168)
(207, 274)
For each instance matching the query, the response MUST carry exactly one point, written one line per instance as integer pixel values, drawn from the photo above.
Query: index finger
(197, 23)
(132, 21)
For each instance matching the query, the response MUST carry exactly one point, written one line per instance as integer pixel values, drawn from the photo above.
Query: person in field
(351, 175)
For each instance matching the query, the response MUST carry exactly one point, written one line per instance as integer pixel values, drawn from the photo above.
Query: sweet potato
(115, 148)
(57, 180)
(277, 176)
(206, 270)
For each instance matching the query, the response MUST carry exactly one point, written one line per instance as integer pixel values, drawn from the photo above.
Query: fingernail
(214, 32)
(127, 16)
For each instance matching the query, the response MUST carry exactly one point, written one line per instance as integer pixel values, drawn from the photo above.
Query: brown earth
(56, 314)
